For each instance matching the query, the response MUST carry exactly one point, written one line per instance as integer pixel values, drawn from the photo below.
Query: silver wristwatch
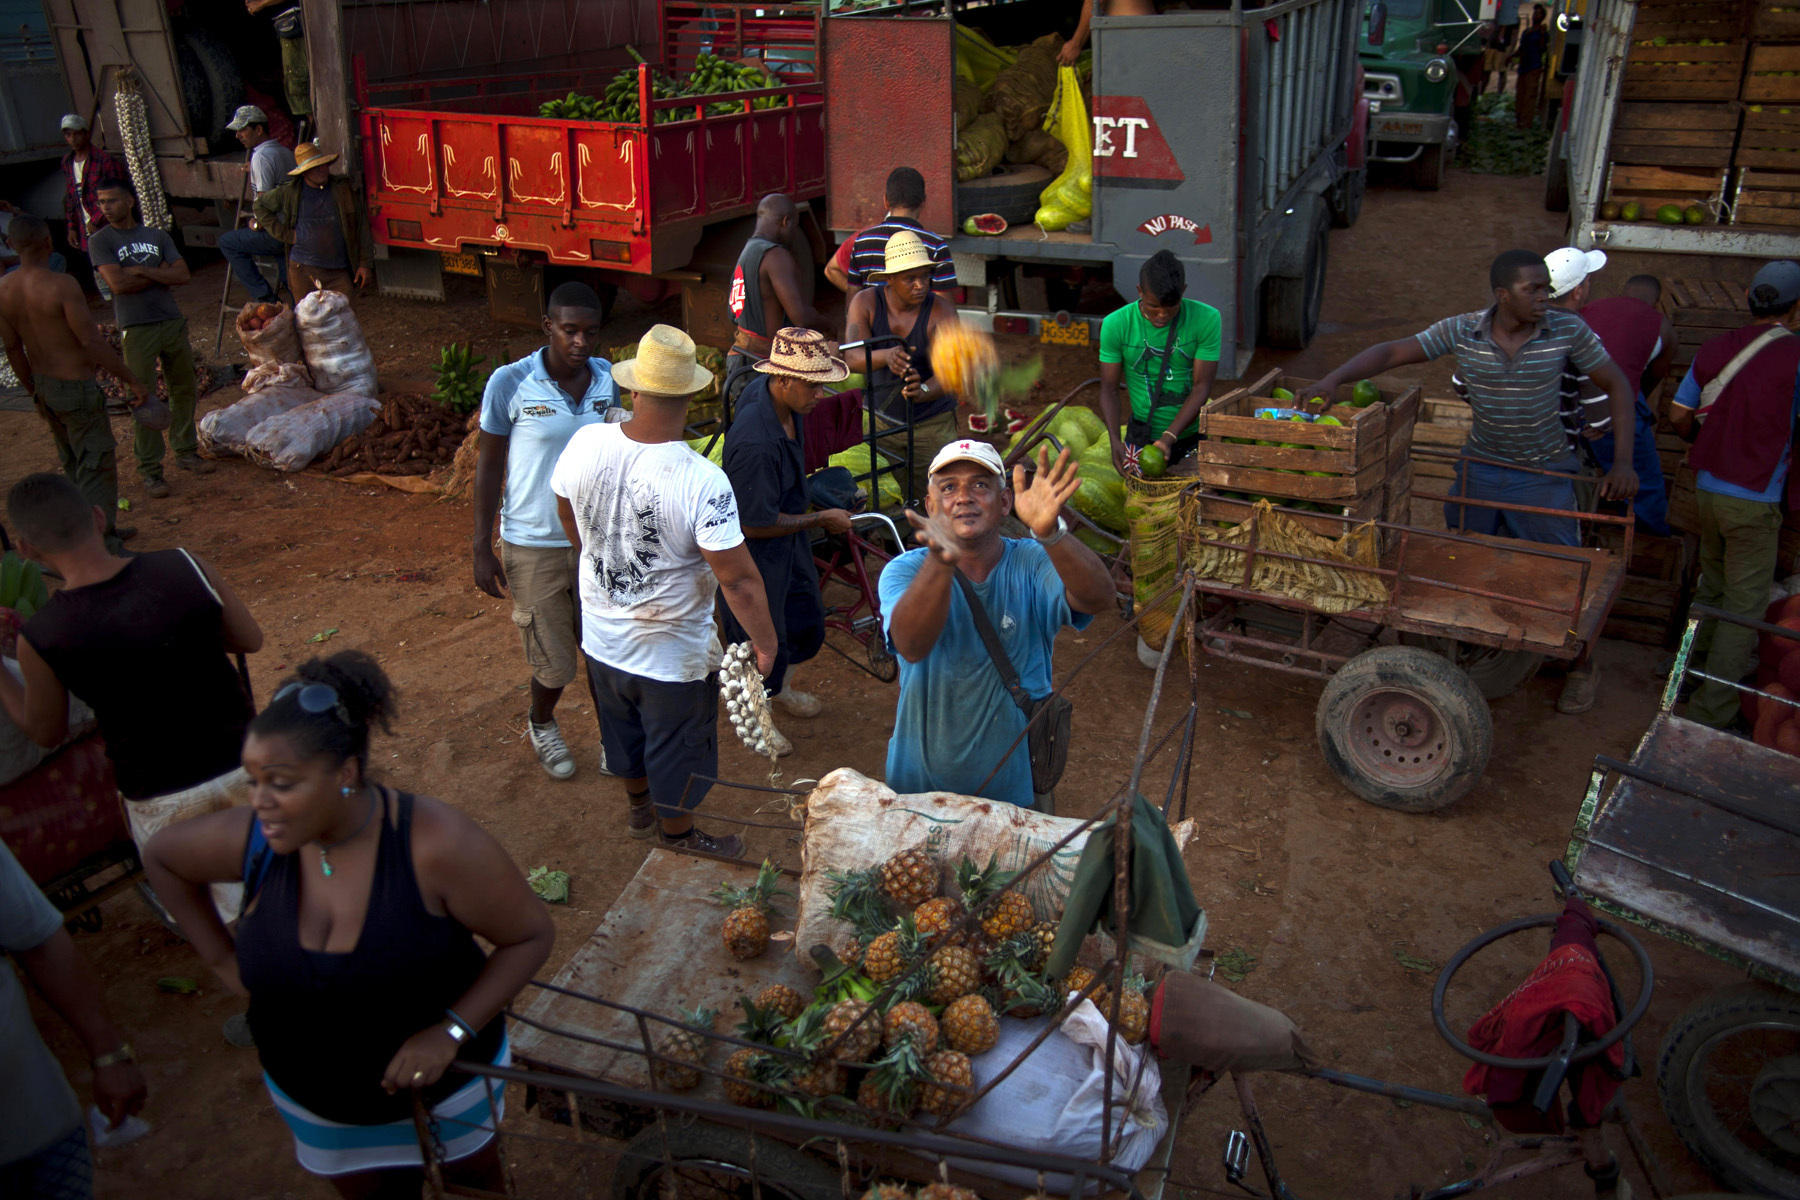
(1062, 531)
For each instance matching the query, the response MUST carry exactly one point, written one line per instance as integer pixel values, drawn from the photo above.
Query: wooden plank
(1714, 138)
(1652, 117)
(1771, 23)
(1685, 57)
(1765, 57)
(1672, 155)
(1771, 86)
(1755, 214)
(1503, 568)
(1662, 179)
(1780, 158)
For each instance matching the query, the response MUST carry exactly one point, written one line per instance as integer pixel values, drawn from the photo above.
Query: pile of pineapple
(918, 993)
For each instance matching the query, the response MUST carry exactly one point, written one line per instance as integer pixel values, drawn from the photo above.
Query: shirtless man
(899, 303)
(767, 292)
(54, 348)
(1114, 8)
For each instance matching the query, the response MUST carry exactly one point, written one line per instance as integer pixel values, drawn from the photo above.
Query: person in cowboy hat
(766, 463)
(901, 384)
(319, 217)
(648, 517)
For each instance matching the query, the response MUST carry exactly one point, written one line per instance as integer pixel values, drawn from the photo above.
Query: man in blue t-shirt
(528, 414)
(956, 718)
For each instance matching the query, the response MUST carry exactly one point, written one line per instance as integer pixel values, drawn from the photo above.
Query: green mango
(1364, 394)
(1328, 421)
(1669, 214)
(1631, 210)
(1152, 463)
(1282, 393)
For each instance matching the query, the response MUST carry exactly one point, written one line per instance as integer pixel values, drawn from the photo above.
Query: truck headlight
(1437, 70)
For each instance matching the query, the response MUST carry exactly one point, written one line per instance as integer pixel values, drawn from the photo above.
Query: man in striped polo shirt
(850, 267)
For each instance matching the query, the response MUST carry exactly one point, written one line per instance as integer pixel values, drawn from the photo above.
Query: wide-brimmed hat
(665, 365)
(1569, 266)
(246, 116)
(307, 155)
(906, 251)
(803, 354)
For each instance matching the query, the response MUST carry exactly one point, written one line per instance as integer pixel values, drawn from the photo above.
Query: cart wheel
(715, 1162)
(1496, 672)
(882, 664)
(1403, 728)
(1729, 1075)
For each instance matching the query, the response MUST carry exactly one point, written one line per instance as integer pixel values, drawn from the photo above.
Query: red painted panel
(725, 166)
(888, 82)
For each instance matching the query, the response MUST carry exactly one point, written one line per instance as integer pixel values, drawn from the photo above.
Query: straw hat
(803, 354)
(665, 365)
(307, 155)
(906, 251)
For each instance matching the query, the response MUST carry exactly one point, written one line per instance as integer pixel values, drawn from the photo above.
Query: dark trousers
(797, 610)
(241, 248)
(75, 411)
(666, 733)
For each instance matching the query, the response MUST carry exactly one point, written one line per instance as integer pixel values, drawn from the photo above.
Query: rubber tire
(1291, 304)
(1347, 197)
(1426, 172)
(1455, 701)
(785, 1173)
(1012, 192)
(1556, 176)
(1730, 1161)
(203, 51)
(1498, 673)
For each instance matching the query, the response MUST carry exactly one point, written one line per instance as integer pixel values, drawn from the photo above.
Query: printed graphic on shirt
(735, 299)
(140, 254)
(626, 558)
(537, 410)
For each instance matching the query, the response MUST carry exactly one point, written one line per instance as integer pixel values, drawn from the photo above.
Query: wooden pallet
(1648, 133)
(1682, 70)
(1701, 309)
(1764, 77)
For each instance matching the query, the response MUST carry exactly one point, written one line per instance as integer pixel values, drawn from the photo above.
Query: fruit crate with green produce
(1773, 74)
(1666, 22)
(1663, 195)
(1768, 186)
(1700, 69)
(1776, 22)
(1648, 133)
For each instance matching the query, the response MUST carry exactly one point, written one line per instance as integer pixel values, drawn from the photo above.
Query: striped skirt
(465, 1120)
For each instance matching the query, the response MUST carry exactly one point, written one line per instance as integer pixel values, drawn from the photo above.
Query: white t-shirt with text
(645, 512)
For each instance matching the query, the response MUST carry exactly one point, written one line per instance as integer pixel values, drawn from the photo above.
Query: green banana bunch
(22, 587)
(711, 76)
(459, 378)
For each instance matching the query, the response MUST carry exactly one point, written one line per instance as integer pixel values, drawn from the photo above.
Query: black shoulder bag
(1050, 719)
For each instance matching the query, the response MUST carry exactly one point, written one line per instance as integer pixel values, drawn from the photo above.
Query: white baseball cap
(73, 121)
(1569, 266)
(969, 450)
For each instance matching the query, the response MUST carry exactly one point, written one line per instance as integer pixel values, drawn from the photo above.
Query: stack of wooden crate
(1442, 428)
(1700, 309)
(1767, 185)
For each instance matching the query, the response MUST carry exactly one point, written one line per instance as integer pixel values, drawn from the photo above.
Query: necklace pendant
(324, 864)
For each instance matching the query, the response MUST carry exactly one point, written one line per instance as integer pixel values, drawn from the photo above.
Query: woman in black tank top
(362, 984)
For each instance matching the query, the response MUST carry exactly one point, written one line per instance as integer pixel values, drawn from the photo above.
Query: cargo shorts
(546, 608)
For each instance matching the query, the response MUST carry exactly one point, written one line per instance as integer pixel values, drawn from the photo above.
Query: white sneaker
(799, 704)
(552, 752)
(604, 769)
(778, 741)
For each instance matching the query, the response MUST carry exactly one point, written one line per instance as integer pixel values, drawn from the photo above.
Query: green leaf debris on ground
(1413, 962)
(324, 635)
(1234, 964)
(1497, 146)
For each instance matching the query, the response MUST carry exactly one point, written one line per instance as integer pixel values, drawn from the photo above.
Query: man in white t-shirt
(656, 528)
(270, 162)
(530, 410)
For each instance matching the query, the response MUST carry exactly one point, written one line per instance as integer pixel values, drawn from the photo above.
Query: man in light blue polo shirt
(528, 414)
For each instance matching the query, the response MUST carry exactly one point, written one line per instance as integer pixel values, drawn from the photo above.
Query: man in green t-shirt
(1167, 384)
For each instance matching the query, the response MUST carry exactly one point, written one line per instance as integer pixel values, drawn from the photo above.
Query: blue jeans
(241, 247)
(1481, 481)
(1651, 504)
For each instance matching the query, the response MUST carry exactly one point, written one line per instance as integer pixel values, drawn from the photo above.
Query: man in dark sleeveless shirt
(767, 292)
(145, 642)
(902, 385)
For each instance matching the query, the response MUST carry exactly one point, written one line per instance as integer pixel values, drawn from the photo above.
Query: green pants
(1738, 550)
(75, 410)
(164, 342)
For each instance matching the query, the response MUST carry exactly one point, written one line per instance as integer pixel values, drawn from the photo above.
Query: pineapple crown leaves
(1017, 951)
(806, 1032)
(761, 1023)
(759, 895)
(1135, 981)
(856, 897)
(979, 884)
(897, 1074)
(701, 1018)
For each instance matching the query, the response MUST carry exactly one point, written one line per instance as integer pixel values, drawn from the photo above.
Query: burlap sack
(1196, 1021)
(278, 341)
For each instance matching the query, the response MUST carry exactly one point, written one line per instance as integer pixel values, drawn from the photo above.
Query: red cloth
(1629, 329)
(1748, 432)
(833, 426)
(1529, 1024)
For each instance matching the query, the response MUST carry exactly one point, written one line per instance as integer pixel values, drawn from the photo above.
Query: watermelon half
(985, 225)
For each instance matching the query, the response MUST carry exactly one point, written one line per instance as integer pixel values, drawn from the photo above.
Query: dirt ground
(1345, 909)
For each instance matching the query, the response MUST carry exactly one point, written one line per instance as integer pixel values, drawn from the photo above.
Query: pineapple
(954, 972)
(851, 953)
(891, 1089)
(684, 1051)
(783, 999)
(889, 955)
(1023, 993)
(993, 893)
(821, 1076)
(1078, 980)
(1044, 932)
(744, 1070)
(910, 1021)
(951, 1081)
(938, 918)
(761, 1023)
(856, 898)
(969, 1025)
(746, 929)
(1134, 1010)
(861, 1034)
(888, 1191)
(946, 1191)
(910, 878)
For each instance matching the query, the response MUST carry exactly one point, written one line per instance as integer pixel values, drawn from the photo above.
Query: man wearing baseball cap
(957, 717)
(766, 463)
(655, 528)
(270, 163)
(86, 168)
(1737, 406)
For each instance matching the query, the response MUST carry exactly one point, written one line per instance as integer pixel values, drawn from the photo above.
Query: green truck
(1410, 60)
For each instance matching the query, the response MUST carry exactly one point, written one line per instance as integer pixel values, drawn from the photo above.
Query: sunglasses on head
(314, 698)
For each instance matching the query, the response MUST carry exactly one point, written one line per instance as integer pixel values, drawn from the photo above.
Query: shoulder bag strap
(1712, 390)
(1168, 355)
(991, 640)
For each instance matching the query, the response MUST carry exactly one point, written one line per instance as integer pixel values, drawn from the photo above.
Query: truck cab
(1409, 51)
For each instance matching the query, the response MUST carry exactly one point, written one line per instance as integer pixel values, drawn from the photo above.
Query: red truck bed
(453, 165)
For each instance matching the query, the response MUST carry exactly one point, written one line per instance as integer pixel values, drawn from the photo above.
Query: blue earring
(343, 791)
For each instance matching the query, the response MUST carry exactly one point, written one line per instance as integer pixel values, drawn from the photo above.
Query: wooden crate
(1768, 197)
(1342, 466)
(1659, 583)
(1653, 186)
(1775, 20)
(1647, 133)
(1701, 309)
(1690, 20)
(1773, 73)
(1443, 426)
(1771, 138)
(1682, 70)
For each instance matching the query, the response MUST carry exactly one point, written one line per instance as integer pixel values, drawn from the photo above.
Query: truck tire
(1291, 303)
(210, 83)
(1347, 197)
(1427, 170)
(1012, 192)
(712, 1159)
(1729, 1075)
(1404, 728)
(1556, 176)
(1497, 673)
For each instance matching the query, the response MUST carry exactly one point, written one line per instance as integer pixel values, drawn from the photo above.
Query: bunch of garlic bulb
(746, 700)
(133, 120)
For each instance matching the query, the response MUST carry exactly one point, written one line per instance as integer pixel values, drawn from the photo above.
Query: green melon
(1096, 500)
(1152, 462)
(1364, 394)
